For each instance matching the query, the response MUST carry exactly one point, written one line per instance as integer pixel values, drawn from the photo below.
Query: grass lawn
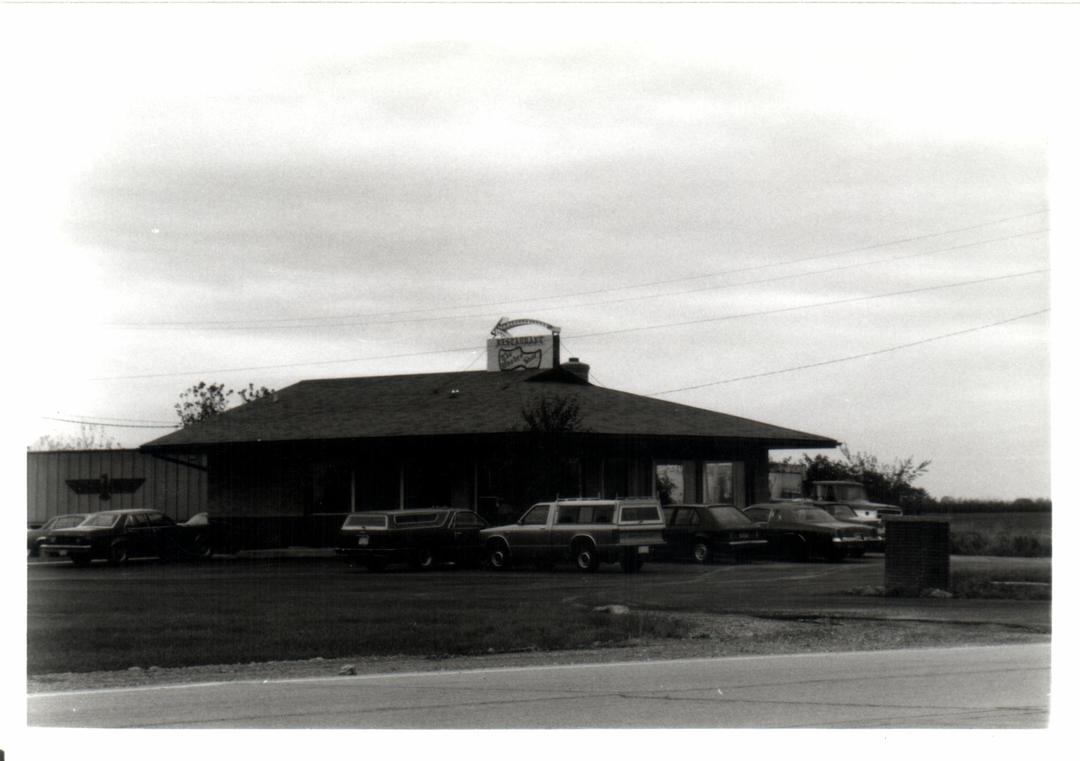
(102, 625)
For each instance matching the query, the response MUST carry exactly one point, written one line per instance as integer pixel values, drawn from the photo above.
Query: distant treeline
(951, 505)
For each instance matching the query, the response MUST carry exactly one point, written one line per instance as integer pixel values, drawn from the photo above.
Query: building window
(723, 483)
(676, 482)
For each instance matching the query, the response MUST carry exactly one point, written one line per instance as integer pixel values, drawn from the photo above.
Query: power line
(107, 425)
(810, 306)
(575, 337)
(91, 419)
(287, 322)
(837, 360)
(648, 296)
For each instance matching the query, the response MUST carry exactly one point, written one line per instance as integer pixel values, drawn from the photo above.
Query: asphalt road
(981, 687)
(758, 588)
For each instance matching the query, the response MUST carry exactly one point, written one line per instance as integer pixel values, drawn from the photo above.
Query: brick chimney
(577, 367)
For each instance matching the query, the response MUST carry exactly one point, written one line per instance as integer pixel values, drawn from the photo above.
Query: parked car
(584, 531)
(867, 518)
(420, 538)
(221, 536)
(852, 494)
(703, 533)
(800, 531)
(118, 535)
(35, 536)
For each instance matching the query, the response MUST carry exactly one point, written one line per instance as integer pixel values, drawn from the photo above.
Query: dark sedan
(703, 533)
(118, 535)
(35, 536)
(420, 538)
(800, 531)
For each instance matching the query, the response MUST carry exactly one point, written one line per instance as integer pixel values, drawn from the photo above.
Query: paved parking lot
(764, 587)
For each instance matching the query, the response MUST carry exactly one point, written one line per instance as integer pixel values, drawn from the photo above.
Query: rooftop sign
(507, 352)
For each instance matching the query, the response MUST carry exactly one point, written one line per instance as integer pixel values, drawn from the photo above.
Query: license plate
(362, 540)
(643, 550)
(61, 553)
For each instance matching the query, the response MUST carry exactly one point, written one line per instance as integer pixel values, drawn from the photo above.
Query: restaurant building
(286, 468)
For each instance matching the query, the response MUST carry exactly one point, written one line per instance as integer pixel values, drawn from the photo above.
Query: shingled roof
(445, 404)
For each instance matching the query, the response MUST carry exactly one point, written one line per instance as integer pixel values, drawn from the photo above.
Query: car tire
(585, 557)
(701, 552)
(201, 549)
(423, 559)
(118, 554)
(498, 556)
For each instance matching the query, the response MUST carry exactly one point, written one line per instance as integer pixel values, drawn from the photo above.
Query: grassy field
(1033, 524)
(1008, 534)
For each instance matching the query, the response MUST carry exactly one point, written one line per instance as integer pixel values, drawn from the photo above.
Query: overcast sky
(700, 196)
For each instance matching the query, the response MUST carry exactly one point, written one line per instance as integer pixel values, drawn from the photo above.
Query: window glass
(730, 517)
(158, 519)
(598, 514)
(468, 520)
(569, 514)
(138, 520)
(419, 519)
(102, 519)
(719, 483)
(682, 518)
(365, 520)
(635, 514)
(536, 516)
(810, 515)
(757, 513)
(67, 521)
(851, 492)
(670, 482)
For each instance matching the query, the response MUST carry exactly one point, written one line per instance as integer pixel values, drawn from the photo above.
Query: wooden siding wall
(177, 490)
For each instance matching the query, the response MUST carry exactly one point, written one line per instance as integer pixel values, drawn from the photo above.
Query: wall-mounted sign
(104, 486)
(520, 352)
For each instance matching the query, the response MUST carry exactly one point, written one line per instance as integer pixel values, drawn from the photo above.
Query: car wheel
(201, 547)
(423, 559)
(585, 557)
(498, 556)
(118, 553)
(80, 560)
(701, 553)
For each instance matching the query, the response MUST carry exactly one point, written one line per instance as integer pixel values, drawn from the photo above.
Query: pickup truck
(583, 531)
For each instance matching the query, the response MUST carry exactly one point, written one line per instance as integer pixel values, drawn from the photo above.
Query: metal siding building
(85, 481)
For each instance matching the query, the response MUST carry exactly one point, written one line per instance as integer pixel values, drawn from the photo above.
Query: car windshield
(850, 492)
(843, 510)
(728, 517)
(66, 521)
(809, 515)
(101, 519)
(366, 520)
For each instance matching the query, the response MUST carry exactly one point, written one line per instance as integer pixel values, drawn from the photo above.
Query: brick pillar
(916, 554)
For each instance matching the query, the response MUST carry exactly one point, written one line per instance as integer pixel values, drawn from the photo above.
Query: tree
(551, 454)
(89, 437)
(891, 484)
(205, 400)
